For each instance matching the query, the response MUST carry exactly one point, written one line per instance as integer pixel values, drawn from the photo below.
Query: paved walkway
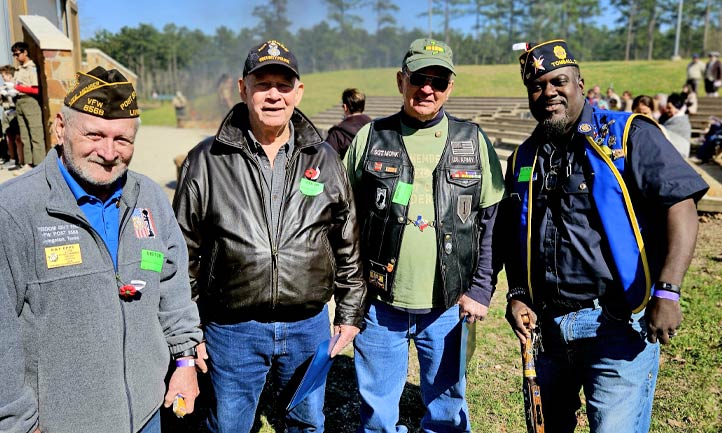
(156, 146)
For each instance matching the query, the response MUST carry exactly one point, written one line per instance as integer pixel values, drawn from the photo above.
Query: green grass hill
(323, 90)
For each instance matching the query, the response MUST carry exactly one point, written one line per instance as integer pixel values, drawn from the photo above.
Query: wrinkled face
(423, 99)
(271, 94)
(96, 151)
(556, 99)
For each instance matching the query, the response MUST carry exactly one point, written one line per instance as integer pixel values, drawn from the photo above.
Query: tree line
(178, 58)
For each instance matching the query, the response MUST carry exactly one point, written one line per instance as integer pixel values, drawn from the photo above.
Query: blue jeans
(610, 359)
(382, 357)
(243, 354)
(153, 424)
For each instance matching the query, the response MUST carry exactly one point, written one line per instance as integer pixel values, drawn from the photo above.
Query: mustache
(105, 162)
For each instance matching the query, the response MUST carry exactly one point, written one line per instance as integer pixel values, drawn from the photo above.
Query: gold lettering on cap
(83, 91)
(93, 110)
(267, 58)
(94, 102)
(126, 103)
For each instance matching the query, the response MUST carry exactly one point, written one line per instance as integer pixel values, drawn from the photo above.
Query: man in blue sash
(599, 226)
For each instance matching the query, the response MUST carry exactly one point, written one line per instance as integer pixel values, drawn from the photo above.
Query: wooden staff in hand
(532, 394)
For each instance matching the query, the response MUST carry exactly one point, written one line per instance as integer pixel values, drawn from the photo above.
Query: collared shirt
(27, 74)
(104, 217)
(570, 257)
(274, 178)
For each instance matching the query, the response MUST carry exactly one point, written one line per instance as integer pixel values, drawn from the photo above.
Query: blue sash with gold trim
(606, 145)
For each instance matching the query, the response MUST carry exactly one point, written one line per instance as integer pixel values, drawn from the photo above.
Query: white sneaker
(695, 160)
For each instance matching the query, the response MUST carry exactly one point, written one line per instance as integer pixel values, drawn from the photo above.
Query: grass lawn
(323, 90)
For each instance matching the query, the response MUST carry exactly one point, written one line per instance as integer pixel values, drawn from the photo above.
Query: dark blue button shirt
(102, 216)
(570, 257)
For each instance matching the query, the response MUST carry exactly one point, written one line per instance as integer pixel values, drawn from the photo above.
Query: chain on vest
(383, 199)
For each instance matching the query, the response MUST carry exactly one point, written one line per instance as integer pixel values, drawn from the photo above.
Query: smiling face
(423, 102)
(96, 151)
(556, 100)
(271, 94)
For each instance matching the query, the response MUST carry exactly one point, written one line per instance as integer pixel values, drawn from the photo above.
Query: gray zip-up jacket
(75, 356)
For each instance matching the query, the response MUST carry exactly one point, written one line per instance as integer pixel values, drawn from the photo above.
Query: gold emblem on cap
(560, 52)
(538, 64)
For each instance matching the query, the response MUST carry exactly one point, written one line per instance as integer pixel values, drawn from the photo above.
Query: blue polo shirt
(103, 216)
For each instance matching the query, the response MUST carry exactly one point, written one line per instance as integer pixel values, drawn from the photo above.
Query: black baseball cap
(270, 53)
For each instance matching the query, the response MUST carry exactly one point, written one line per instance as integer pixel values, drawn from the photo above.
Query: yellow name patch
(63, 255)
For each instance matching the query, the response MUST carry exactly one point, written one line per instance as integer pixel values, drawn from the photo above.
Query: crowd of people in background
(672, 110)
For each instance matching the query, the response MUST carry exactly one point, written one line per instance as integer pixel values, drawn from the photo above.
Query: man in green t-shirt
(427, 187)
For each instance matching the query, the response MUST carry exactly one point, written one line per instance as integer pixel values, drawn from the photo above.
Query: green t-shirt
(417, 284)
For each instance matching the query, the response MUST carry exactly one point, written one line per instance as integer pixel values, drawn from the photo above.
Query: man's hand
(514, 310)
(474, 310)
(202, 356)
(184, 382)
(663, 318)
(348, 333)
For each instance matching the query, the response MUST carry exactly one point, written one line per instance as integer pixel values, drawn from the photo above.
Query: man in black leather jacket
(268, 214)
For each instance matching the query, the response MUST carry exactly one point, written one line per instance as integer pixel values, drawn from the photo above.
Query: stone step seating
(469, 108)
(707, 107)
(507, 129)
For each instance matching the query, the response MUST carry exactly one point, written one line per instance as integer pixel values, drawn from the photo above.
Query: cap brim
(415, 65)
(273, 63)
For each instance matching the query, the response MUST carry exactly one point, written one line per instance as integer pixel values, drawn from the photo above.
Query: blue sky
(234, 14)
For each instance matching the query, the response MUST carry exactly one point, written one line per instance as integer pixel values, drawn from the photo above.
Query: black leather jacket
(237, 270)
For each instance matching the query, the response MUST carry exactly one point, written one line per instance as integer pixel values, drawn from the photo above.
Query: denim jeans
(153, 424)
(610, 359)
(243, 354)
(382, 358)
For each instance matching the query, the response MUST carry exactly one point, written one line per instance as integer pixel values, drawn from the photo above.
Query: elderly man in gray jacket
(94, 291)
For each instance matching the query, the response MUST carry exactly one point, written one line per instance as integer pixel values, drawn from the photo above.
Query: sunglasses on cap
(418, 79)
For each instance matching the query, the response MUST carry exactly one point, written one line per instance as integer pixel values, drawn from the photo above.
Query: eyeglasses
(17, 53)
(418, 79)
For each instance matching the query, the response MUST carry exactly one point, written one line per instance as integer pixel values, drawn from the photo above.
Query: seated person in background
(340, 136)
(626, 101)
(679, 130)
(643, 104)
(614, 101)
(712, 139)
(690, 99)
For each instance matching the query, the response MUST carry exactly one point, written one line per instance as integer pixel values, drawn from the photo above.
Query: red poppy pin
(312, 173)
(129, 291)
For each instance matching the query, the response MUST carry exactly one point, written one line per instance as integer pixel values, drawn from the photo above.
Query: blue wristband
(665, 294)
(185, 363)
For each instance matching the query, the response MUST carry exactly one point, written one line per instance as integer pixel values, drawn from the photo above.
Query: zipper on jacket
(99, 241)
(274, 251)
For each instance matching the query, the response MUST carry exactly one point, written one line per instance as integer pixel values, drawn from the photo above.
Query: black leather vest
(456, 191)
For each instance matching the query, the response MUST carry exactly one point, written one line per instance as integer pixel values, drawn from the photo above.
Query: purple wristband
(185, 363)
(664, 294)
